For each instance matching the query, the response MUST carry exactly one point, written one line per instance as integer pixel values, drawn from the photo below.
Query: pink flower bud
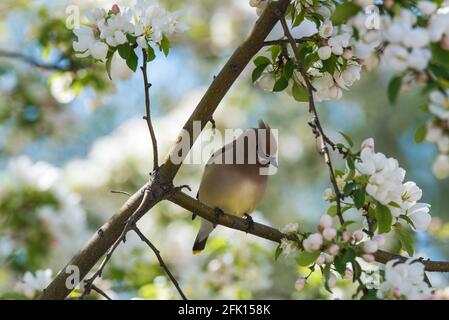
(95, 29)
(370, 246)
(115, 9)
(388, 4)
(329, 233)
(368, 257)
(396, 293)
(358, 235)
(347, 54)
(300, 283)
(346, 235)
(333, 249)
(379, 239)
(326, 221)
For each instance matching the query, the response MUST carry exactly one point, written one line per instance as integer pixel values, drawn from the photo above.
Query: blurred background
(69, 135)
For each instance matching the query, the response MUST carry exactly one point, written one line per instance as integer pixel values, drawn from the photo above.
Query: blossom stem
(315, 123)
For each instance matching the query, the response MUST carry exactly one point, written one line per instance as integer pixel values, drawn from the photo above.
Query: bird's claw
(249, 222)
(218, 213)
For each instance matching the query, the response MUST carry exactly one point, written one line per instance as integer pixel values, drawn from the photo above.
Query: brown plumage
(237, 187)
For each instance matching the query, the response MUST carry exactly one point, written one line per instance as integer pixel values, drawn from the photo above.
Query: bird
(234, 180)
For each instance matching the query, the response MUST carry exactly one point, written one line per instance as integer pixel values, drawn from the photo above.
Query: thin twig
(283, 41)
(88, 284)
(315, 122)
(147, 117)
(99, 291)
(121, 192)
(33, 62)
(161, 261)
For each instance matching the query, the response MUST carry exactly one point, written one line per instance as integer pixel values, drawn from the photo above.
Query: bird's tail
(203, 234)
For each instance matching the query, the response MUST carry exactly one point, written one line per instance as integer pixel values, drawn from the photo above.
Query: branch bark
(100, 242)
(275, 235)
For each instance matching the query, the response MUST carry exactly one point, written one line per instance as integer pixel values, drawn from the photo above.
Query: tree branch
(272, 234)
(100, 242)
(315, 122)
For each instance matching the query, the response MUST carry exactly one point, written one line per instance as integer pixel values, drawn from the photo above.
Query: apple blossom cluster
(125, 29)
(404, 280)
(385, 183)
(328, 55)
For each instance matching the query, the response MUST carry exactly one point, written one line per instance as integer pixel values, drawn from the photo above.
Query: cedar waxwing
(233, 180)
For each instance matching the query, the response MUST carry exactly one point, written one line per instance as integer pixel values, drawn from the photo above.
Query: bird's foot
(249, 222)
(218, 213)
(212, 121)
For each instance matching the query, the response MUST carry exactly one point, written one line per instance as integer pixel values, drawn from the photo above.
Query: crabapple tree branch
(159, 188)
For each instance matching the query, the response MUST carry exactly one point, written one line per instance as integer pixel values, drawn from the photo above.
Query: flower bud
(368, 257)
(346, 235)
(379, 239)
(115, 9)
(347, 54)
(332, 281)
(370, 246)
(333, 249)
(324, 52)
(329, 233)
(313, 242)
(445, 43)
(300, 283)
(325, 221)
(335, 93)
(358, 235)
(396, 293)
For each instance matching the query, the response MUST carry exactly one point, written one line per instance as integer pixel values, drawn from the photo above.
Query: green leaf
(289, 67)
(356, 270)
(420, 133)
(340, 261)
(393, 88)
(406, 239)
(305, 258)
(347, 138)
(370, 294)
(300, 93)
(332, 211)
(330, 64)
(350, 162)
(261, 60)
(278, 252)
(299, 18)
(280, 84)
(359, 198)
(165, 45)
(384, 218)
(440, 56)
(124, 50)
(275, 50)
(150, 54)
(109, 61)
(344, 11)
(257, 72)
(407, 219)
(348, 188)
(132, 60)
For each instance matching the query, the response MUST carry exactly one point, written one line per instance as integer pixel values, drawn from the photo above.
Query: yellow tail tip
(197, 251)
